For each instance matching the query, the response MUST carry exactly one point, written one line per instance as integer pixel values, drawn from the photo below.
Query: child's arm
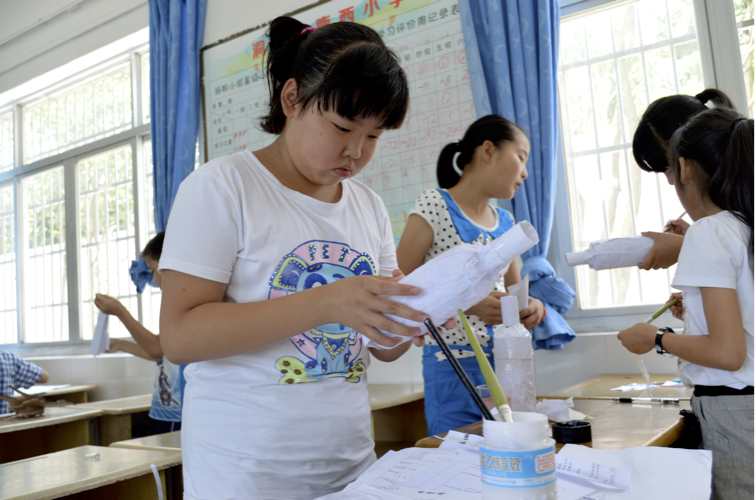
(148, 341)
(196, 324)
(724, 347)
(121, 345)
(416, 240)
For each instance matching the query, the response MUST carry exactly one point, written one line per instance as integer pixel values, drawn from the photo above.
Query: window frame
(135, 136)
(718, 39)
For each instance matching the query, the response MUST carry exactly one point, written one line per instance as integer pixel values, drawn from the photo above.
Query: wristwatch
(659, 334)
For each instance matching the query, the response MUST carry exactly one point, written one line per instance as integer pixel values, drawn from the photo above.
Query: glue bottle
(517, 459)
(513, 357)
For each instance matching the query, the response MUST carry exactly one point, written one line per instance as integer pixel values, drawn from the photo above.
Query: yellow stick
(662, 309)
(497, 392)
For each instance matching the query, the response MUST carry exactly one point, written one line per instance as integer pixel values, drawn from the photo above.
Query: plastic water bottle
(517, 459)
(613, 253)
(513, 357)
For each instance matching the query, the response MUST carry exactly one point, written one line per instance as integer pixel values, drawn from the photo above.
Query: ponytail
(662, 118)
(341, 67)
(455, 156)
(720, 141)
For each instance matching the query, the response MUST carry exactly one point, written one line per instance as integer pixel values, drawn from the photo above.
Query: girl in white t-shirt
(711, 165)
(274, 260)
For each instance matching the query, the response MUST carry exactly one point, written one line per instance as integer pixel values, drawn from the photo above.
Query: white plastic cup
(517, 459)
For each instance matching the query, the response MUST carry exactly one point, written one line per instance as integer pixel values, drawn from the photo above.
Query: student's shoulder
(723, 228)
(225, 170)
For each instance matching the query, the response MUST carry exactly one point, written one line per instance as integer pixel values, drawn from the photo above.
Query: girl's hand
(114, 345)
(109, 305)
(361, 303)
(532, 315)
(638, 339)
(677, 226)
(488, 309)
(677, 309)
(664, 252)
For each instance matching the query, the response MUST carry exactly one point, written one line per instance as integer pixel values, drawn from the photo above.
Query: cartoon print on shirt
(333, 349)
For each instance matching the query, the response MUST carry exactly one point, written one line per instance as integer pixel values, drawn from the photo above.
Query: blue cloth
(15, 372)
(140, 274)
(168, 392)
(467, 230)
(557, 297)
(512, 59)
(176, 30)
(448, 405)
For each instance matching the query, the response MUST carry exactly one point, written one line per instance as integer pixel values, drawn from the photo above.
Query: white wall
(226, 17)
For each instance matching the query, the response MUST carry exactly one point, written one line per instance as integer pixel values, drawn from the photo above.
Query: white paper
(559, 410)
(650, 473)
(100, 339)
(44, 388)
(521, 290)
(592, 467)
(567, 490)
(613, 253)
(461, 277)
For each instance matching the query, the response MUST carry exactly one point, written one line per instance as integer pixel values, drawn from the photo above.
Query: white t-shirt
(715, 254)
(292, 420)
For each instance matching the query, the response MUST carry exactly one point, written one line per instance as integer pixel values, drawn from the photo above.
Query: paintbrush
(497, 392)
(458, 369)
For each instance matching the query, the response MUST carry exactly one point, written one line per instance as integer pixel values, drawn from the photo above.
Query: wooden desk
(600, 387)
(87, 472)
(114, 423)
(170, 441)
(615, 425)
(59, 428)
(74, 394)
(398, 415)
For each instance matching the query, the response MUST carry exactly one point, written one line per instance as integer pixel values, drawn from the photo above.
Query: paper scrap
(100, 339)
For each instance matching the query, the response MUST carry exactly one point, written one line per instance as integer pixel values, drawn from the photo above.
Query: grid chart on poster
(425, 35)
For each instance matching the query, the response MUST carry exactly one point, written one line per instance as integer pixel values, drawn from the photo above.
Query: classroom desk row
(122, 470)
(397, 421)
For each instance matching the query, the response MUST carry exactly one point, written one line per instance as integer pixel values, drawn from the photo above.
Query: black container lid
(573, 431)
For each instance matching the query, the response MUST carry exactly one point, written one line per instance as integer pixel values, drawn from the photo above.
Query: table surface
(389, 395)
(600, 387)
(52, 390)
(78, 469)
(120, 406)
(53, 415)
(170, 441)
(616, 425)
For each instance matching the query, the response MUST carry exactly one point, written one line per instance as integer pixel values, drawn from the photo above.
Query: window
(107, 237)
(8, 325)
(44, 257)
(95, 108)
(613, 63)
(6, 141)
(615, 58)
(744, 18)
(75, 198)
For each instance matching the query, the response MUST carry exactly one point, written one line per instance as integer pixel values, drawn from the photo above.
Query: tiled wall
(119, 375)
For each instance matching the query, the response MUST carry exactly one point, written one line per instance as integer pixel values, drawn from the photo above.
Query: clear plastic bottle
(513, 357)
(613, 253)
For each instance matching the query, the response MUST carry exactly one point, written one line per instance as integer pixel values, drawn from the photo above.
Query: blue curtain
(176, 31)
(512, 48)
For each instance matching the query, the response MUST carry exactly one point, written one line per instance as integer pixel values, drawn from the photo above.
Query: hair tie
(306, 29)
(454, 163)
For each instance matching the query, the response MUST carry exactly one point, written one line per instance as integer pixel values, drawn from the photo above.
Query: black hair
(492, 128)
(720, 142)
(341, 67)
(154, 248)
(662, 118)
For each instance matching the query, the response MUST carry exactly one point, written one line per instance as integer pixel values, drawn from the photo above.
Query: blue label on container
(517, 469)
